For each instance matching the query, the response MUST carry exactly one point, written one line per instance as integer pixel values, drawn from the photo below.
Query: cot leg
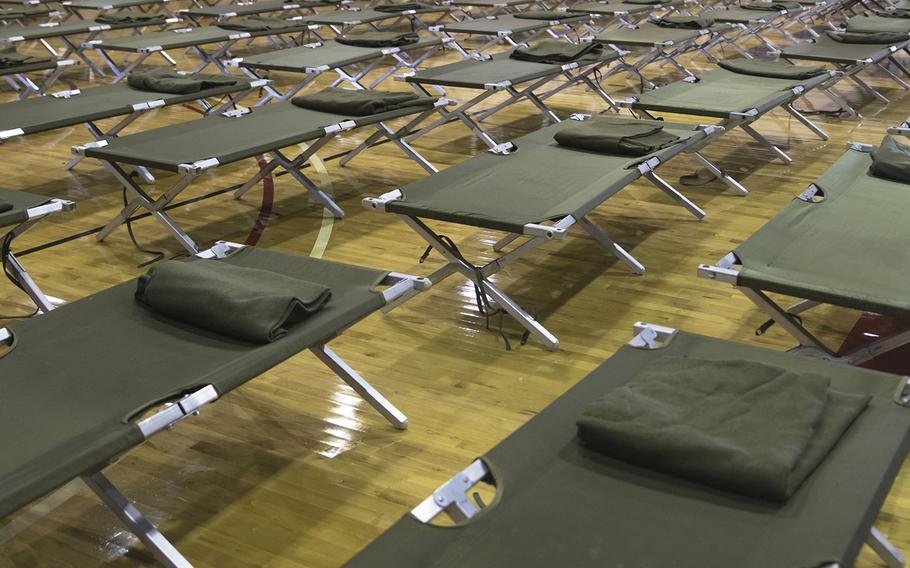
(885, 550)
(163, 550)
(876, 348)
(611, 245)
(719, 174)
(806, 122)
(363, 388)
(521, 316)
(28, 285)
(766, 143)
(676, 195)
(502, 243)
(293, 168)
(903, 84)
(782, 318)
(865, 87)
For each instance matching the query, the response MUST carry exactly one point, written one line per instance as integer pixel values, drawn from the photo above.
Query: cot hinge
(149, 49)
(182, 30)
(260, 83)
(235, 62)
(798, 90)
(66, 63)
(15, 39)
(405, 76)
(11, 133)
(6, 336)
(569, 66)
(544, 231)
(444, 102)
(340, 127)
(718, 273)
(148, 105)
(389, 50)
(580, 116)
(503, 149)
(316, 70)
(649, 165)
(91, 43)
(241, 35)
(99, 28)
(80, 150)
(690, 79)
(497, 86)
(435, 29)
(379, 203)
(860, 147)
(174, 412)
(808, 195)
(651, 336)
(902, 396)
(237, 112)
(48, 25)
(219, 250)
(199, 166)
(748, 114)
(452, 497)
(53, 206)
(504, 33)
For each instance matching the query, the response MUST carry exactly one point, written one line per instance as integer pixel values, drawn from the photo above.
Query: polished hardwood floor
(294, 469)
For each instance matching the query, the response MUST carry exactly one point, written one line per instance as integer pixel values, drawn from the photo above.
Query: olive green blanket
(891, 160)
(393, 8)
(685, 22)
(4, 206)
(616, 136)
(771, 6)
(557, 52)
(131, 17)
(170, 81)
(547, 15)
(888, 38)
(350, 102)
(250, 304)
(10, 58)
(740, 426)
(776, 69)
(378, 39)
(257, 24)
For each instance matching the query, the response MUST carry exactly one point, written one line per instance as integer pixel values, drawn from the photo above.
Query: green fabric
(165, 80)
(872, 24)
(559, 504)
(394, 8)
(4, 206)
(250, 304)
(896, 13)
(887, 38)
(79, 373)
(10, 58)
(358, 102)
(777, 69)
(771, 6)
(891, 160)
(257, 24)
(25, 12)
(557, 52)
(645, 2)
(622, 137)
(848, 249)
(685, 22)
(378, 39)
(546, 15)
(740, 426)
(129, 16)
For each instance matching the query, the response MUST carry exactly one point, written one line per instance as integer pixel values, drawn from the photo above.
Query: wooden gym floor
(294, 469)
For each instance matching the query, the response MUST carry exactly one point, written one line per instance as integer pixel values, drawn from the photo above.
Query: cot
(253, 8)
(542, 189)
(78, 365)
(341, 22)
(840, 242)
(560, 503)
(17, 77)
(510, 29)
(78, 8)
(754, 22)
(193, 148)
(19, 211)
(609, 14)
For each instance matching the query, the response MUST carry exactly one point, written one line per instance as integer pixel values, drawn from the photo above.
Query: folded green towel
(169, 81)
(891, 160)
(350, 102)
(558, 52)
(771, 6)
(885, 38)
(257, 24)
(131, 17)
(685, 22)
(4, 206)
(615, 137)
(393, 8)
(378, 39)
(546, 15)
(776, 69)
(254, 305)
(740, 426)
(895, 13)
(10, 58)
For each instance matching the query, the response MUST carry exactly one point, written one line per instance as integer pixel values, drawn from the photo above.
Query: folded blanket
(891, 160)
(771, 6)
(645, 2)
(349, 102)
(169, 81)
(4, 206)
(546, 15)
(886, 38)
(615, 137)
(9, 58)
(776, 69)
(895, 13)
(254, 305)
(558, 52)
(740, 426)
(131, 17)
(685, 22)
(22, 12)
(257, 24)
(393, 8)
(378, 39)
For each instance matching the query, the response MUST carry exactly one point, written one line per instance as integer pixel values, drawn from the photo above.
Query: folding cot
(560, 502)
(99, 369)
(253, 8)
(740, 98)
(618, 14)
(77, 8)
(194, 39)
(72, 108)
(537, 193)
(499, 74)
(511, 29)
(19, 211)
(16, 75)
(64, 32)
(26, 14)
(343, 21)
(754, 21)
(193, 148)
(661, 44)
(350, 63)
(840, 242)
(877, 23)
(474, 9)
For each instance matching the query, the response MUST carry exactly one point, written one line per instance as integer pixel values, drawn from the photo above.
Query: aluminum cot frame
(23, 84)
(755, 27)
(537, 234)
(224, 43)
(573, 73)
(190, 171)
(250, 8)
(74, 8)
(455, 499)
(347, 72)
(524, 31)
(35, 214)
(744, 119)
(138, 109)
(190, 405)
(621, 15)
(725, 270)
